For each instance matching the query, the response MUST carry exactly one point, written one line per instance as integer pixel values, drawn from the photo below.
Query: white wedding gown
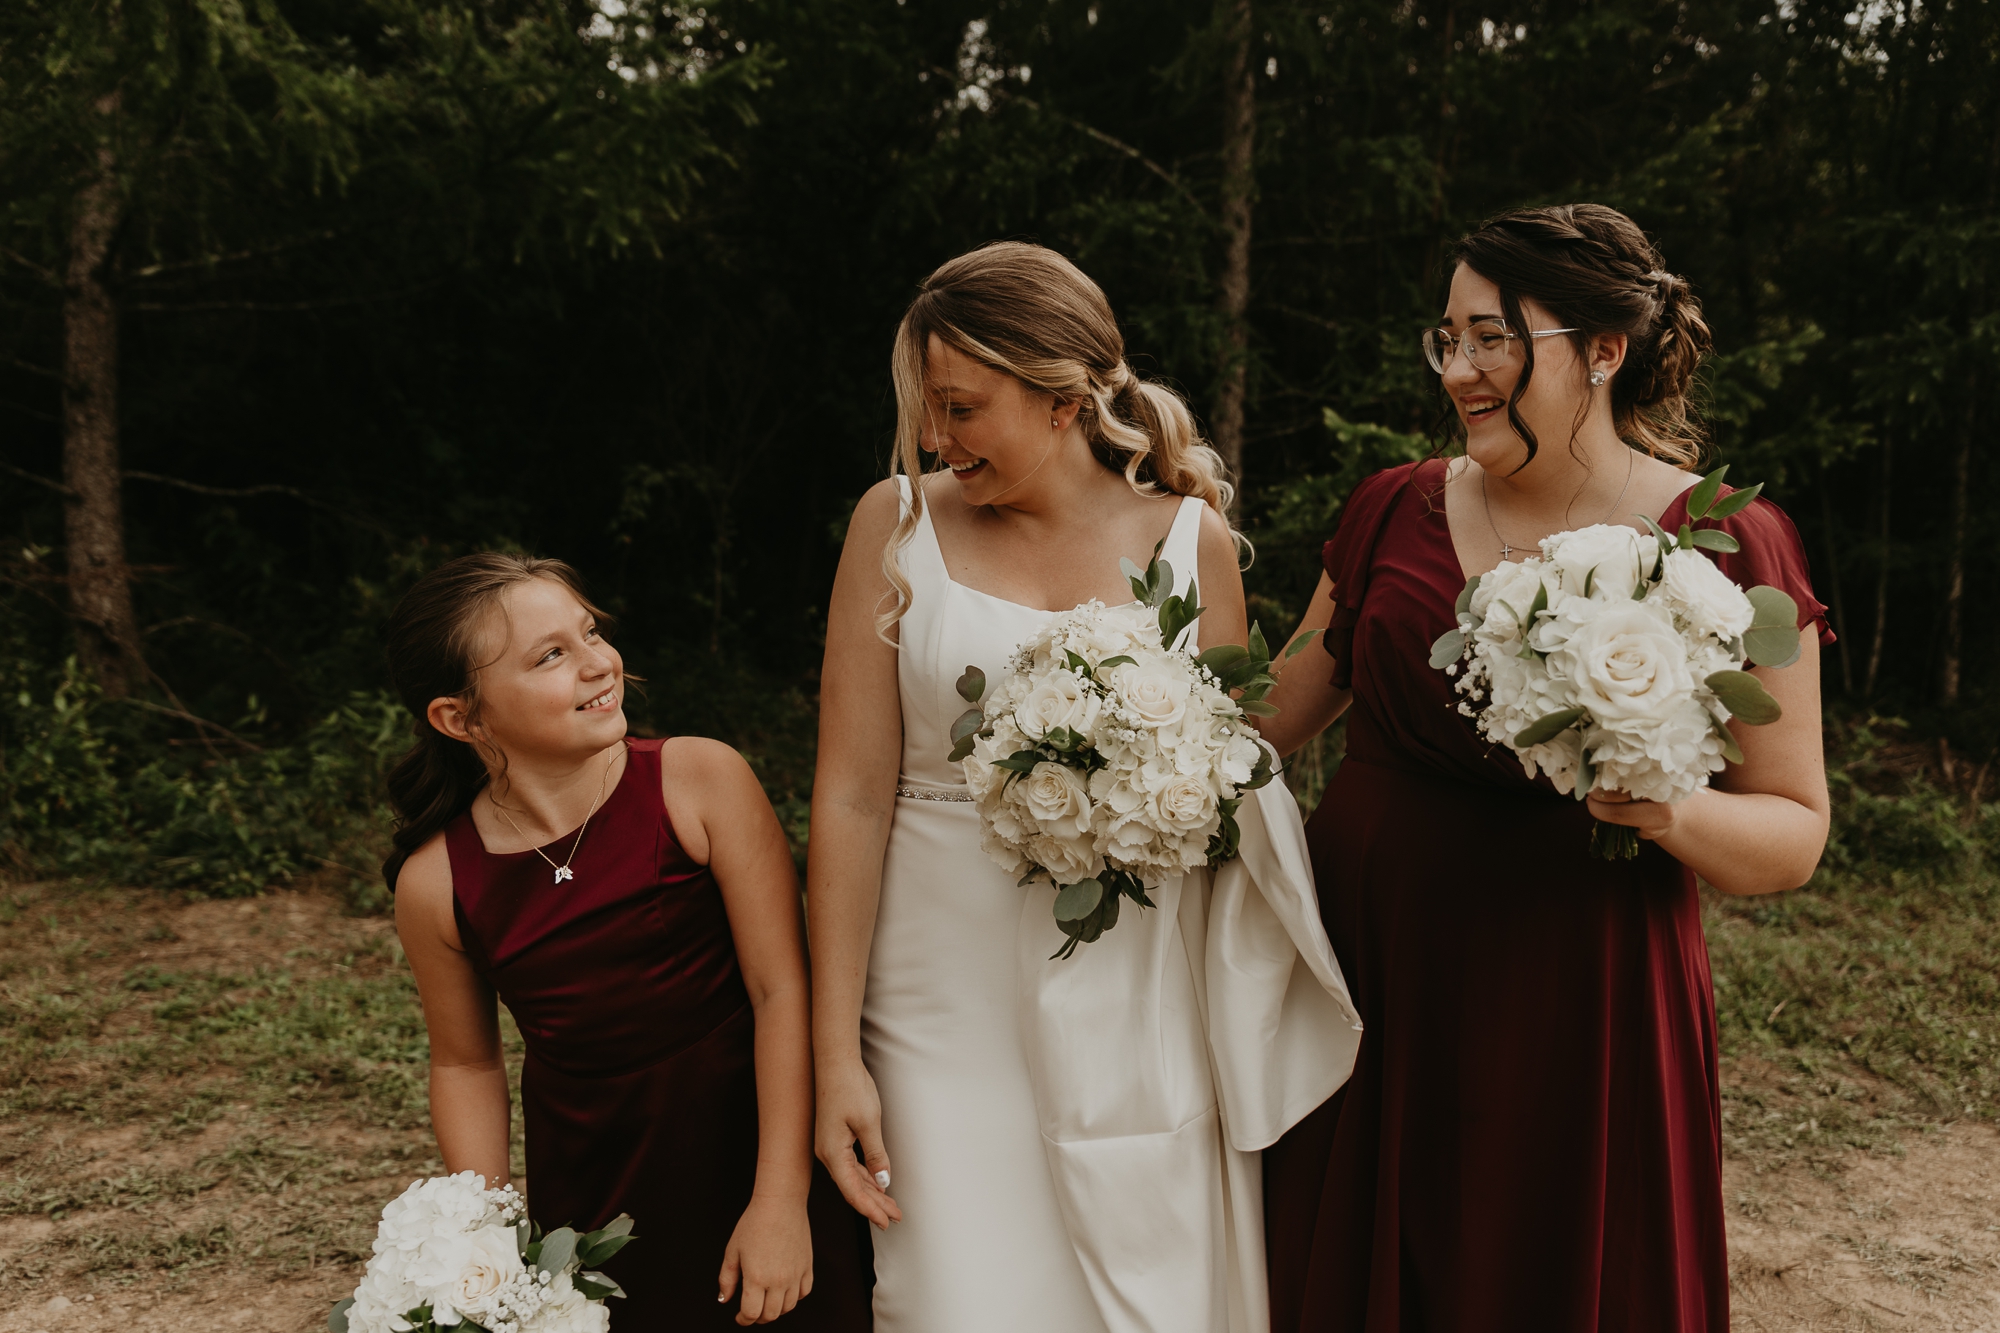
(1075, 1144)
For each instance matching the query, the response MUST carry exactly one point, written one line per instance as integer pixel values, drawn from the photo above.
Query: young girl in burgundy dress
(633, 904)
(1531, 1141)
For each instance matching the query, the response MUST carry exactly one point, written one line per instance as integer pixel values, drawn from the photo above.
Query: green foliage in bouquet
(1086, 909)
(558, 1252)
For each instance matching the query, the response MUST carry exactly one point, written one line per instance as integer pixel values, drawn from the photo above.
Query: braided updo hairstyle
(1593, 270)
(1028, 312)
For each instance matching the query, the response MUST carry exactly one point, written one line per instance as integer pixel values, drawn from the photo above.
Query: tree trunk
(1954, 590)
(1239, 183)
(100, 590)
(1881, 633)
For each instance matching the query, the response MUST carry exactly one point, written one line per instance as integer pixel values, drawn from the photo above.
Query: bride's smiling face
(549, 685)
(991, 430)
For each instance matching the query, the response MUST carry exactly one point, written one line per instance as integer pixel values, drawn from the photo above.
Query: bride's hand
(771, 1250)
(850, 1112)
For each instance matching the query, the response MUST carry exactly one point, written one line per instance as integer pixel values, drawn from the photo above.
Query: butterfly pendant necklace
(563, 871)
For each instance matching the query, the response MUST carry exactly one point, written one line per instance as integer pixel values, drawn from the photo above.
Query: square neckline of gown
(1679, 500)
(945, 565)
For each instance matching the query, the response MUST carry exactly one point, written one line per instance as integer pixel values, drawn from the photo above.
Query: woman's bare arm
(1304, 696)
(470, 1111)
(723, 818)
(854, 800)
(1762, 826)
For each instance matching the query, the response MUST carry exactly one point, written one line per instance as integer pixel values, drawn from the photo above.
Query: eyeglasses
(1487, 342)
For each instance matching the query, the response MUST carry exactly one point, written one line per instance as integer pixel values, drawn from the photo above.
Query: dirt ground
(132, 1213)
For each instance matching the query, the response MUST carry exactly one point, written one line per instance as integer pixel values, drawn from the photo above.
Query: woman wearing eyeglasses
(1531, 1139)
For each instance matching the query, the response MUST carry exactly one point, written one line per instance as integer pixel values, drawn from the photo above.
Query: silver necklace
(1507, 547)
(563, 871)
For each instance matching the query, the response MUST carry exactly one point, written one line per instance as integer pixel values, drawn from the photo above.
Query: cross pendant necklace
(563, 871)
(1507, 547)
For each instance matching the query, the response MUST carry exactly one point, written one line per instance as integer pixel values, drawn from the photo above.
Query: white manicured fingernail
(882, 1179)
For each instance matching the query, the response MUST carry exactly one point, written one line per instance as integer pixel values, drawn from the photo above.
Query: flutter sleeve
(1772, 554)
(1349, 557)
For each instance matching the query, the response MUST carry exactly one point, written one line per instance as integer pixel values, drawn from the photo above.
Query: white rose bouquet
(1615, 659)
(453, 1254)
(1110, 754)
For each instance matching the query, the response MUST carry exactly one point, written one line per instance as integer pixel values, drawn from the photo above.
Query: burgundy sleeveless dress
(1531, 1139)
(639, 1089)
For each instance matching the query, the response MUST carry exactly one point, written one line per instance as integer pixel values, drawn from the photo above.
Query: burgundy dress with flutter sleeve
(1531, 1139)
(639, 1090)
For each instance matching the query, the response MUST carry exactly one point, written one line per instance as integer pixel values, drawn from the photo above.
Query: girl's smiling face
(993, 431)
(549, 685)
(1556, 400)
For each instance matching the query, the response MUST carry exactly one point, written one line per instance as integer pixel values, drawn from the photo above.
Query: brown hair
(1028, 312)
(432, 638)
(1595, 271)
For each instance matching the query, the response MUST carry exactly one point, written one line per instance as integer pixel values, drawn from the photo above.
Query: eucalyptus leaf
(1257, 707)
(972, 685)
(1163, 583)
(336, 1322)
(1546, 728)
(1586, 777)
(558, 1248)
(1774, 608)
(1463, 606)
(1730, 749)
(961, 749)
(1123, 659)
(1659, 533)
(1735, 502)
(1448, 648)
(1021, 761)
(1134, 575)
(1772, 645)
(1686, 539)
(1079, 900)
(1298, 645)
(1715, 539)
(1222, 656)
(968, 723)
(1745, 697)
(1704, 493)
(596, 1286)
(593, 1255)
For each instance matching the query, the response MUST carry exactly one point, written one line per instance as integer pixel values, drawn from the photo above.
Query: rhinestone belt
(958, 794)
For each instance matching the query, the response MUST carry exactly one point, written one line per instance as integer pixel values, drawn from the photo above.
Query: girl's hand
(1653, 819)
(850, 1112)
(771, 1251)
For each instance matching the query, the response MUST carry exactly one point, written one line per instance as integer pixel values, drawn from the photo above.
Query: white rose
(1182, 803)
(1627, 665)
(1607, 556)
(1667, 762)
(1158, 694)
(1704, 596)
(1503, 597)
(1058, 700)
(464, 1275)
(1069, 858)
(1057, 800)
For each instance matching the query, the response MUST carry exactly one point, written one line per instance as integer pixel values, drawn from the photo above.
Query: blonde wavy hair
(1028, 312)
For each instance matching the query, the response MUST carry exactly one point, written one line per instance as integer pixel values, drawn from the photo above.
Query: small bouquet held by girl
(1615, 660)
(453, 1254)
(1110, 753)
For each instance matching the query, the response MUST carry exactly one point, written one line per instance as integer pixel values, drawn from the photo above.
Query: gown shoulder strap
(1183, 548)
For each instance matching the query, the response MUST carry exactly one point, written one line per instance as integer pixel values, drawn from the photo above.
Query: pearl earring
(1596, 378)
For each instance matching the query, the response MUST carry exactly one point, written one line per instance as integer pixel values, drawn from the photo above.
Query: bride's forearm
(843, 877)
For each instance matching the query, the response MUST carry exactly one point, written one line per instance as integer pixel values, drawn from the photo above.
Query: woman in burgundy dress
(1531, 1139)
(633, 904)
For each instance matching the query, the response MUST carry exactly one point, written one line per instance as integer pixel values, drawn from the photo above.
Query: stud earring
(1596, 378)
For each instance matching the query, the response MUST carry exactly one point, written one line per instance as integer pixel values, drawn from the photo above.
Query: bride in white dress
(1064, 1147)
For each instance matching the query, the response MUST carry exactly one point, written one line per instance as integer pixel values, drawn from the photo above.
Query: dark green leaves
(1546, 728)
(1111, 886)
(1715, 539)
(1745, 697)
(558, 1248)
(1704, 493)
(1703, 505)
(1773, 637)
(1079, 900)
(1152, 584)
(1735, 502)
(1021, 761)
(965, 732)
(1177, 613)
(336, 1322)
(596, 1286)
(1298, 645)
(597, 1248)
(972, 685)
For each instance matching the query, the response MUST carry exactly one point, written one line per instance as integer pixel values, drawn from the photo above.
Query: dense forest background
(299, 298)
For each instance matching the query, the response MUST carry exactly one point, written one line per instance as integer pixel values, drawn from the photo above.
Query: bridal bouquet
(1110, 754)
(452, 1254)
(1614, 659)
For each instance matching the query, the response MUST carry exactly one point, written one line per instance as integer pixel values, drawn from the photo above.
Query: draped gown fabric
(1061, 1137)
(1532, 1137)
(639, 1091)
